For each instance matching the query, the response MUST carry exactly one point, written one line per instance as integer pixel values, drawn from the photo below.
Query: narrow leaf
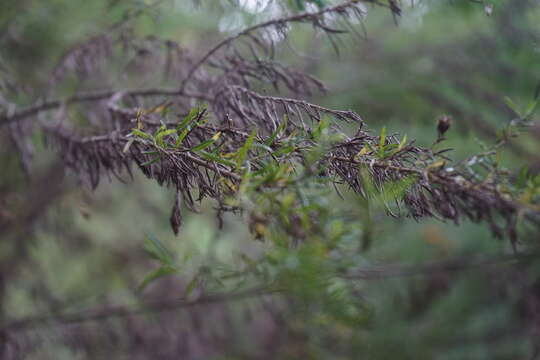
(213, 157)
(156, 249)
(150, 162)
(156, 274)
(512, 105)
(382, 142)
(207, 143)
(141, 134)
(243, 151)
(188, 119)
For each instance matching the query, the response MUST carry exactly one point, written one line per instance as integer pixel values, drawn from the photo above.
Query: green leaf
(403, 142)
(395, 147)
(156, 274)
(186, 125)
(382, 138)
(188, 119)
(321, 127)
(213, 157)
(512, 105)
(150, 152)
(285, 150)
(243, 151)
(282, 126)
(141, 134)
(397, 189)
(181, 136)
(207, 143)
(156, 249)
(382, 142)
(161, 135)
(151, 161)
(531, 109)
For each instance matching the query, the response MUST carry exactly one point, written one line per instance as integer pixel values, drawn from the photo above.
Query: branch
(373, 273)
(6, 119)
(436, 192)
(122, 311)
(207, 165)
(346, 115)
(454, 265)
(279, 21)
(115, 137)
(456, 183)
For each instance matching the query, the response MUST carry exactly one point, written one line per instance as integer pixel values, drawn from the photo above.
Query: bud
(443, 125)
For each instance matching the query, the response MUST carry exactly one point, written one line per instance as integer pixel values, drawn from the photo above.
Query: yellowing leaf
(436, 165)
(362, 152)
(207, 143)
(216, 136)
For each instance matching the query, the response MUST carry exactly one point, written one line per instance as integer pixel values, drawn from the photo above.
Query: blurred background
(66, 248)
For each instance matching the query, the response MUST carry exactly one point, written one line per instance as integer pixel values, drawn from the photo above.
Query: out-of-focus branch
(373, 273)
(453, 265)
(120, 311)
(306, 16)
(6, 119)
(36, 200)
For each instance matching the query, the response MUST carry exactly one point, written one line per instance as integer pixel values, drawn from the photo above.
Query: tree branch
(373, 273)
(6, 119)
(279, 21)
(453, 265)
(121, 311)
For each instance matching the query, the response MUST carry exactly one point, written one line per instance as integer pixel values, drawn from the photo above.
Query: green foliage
(328, 275)
(158, 251)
